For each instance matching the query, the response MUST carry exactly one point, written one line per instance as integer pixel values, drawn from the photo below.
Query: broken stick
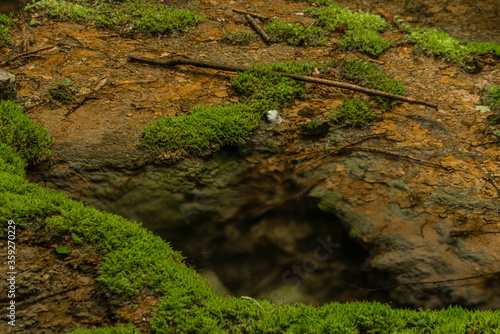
(293, 76)
(258, 29)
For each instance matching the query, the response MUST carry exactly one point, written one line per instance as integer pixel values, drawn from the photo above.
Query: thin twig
(491, 179)
(409, 157)
(335, 150)
(122, 184)
(465, 234)
(88, 96)
(313, 152)
(85, 99)
(258, 29)
(325, 82)
(26, 53)
(421, 283)
(257, 16)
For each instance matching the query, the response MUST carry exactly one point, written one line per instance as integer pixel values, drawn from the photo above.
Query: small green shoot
(63, 250)
(34, 23)
(62, 91)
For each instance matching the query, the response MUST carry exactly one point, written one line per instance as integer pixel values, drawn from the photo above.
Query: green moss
(369, 75)
(431, 42)
(437, 43)
(62, 91)
(135, 259)
(209, 128)
(272, 89)
(241, 37)
(485, 48)
(123, 329)
(365, 40)
(354, 112)
(5, 23)
(363, 32)
(10, 160)
(335, 16)
(295, 33)
(204, 130)
(63, 9)
(26, 138)
(129, 14)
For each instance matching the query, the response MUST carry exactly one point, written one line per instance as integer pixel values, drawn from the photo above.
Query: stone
(7, 86)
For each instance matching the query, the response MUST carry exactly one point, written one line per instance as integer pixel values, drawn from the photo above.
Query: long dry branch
(171, 63)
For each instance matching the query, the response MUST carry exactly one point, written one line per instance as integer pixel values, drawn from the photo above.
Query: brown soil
(60, 294)
(56, 293)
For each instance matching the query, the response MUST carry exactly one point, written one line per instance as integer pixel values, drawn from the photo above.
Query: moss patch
(123, 329)
(204, 130)
(26, 138)
(131, 15)
(363, 29)
(295, 34)
(354, 112)
(369, 75)
(431, 42)
(485, 48)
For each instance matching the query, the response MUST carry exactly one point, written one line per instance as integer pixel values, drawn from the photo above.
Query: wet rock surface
(356, 225)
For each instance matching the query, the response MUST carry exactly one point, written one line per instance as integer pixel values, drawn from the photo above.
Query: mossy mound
(131, 15)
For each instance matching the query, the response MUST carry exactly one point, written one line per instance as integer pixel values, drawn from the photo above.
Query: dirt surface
(410, 222)
(56, 293)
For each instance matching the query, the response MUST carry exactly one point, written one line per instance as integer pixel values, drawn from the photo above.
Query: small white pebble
(274, 117)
